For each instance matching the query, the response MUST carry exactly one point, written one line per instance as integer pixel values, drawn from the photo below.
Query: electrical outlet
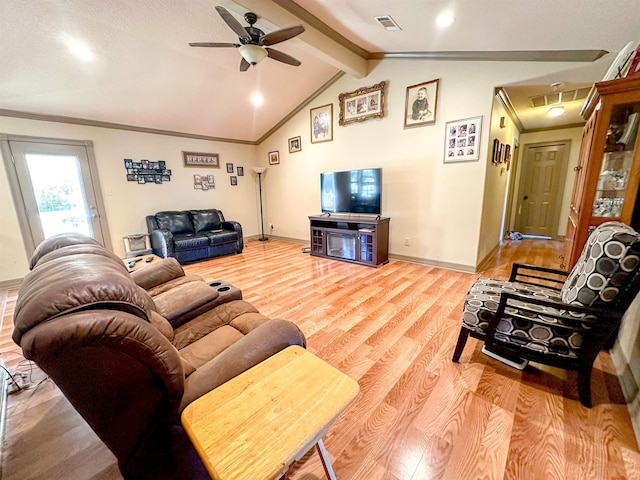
(407, 242)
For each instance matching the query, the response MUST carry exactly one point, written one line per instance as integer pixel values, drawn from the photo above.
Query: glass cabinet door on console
(608, 173)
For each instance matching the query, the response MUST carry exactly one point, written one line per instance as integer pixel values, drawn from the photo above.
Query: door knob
(526, 197)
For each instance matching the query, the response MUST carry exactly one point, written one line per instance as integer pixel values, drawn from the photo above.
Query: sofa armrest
(162, 243)
(231, 225)
(255, 347)
(157, 273)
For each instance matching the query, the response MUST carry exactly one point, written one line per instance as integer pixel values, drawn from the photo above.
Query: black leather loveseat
(192, 235)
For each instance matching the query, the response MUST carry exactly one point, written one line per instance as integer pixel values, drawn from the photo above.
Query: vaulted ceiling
(143, 73)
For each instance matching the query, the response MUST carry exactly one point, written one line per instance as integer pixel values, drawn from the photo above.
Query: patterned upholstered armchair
(553, 317)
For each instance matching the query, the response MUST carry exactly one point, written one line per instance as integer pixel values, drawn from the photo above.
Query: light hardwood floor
(419, 416)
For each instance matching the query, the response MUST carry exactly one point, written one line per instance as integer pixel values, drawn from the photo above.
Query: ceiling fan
(254, 43)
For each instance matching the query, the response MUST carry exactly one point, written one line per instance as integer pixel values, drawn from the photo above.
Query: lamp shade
(259, 169)
(253, 53)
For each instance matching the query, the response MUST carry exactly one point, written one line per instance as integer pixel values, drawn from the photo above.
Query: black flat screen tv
(352, 191)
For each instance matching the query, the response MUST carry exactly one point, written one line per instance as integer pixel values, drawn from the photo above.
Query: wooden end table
(254, 426)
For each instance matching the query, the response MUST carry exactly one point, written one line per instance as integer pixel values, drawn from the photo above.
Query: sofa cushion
(187, 241)
(222, 236)
(175, 222)
(73, 283)
(59, 241)
(205, 220)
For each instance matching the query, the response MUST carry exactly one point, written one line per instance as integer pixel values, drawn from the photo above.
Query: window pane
(59, 194)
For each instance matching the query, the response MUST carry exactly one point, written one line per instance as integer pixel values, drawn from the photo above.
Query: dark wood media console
(363, 240)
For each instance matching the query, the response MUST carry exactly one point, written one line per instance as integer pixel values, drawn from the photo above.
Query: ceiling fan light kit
(253, 53)
(254, 42)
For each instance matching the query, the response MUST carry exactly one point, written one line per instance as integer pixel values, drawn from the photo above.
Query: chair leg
(584, 385)
(462, 341)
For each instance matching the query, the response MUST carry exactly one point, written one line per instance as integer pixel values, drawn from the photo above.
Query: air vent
(559, 97)
(388, 23)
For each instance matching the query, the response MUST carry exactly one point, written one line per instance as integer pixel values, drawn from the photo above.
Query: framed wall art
(203, 182)
(229, 167)
(274, 158)
(362, 104)
(234, 180)
(198, 159)
(321, 124)
(420, 104)
(496, 149)
(462, 140)
(240, 171)
(295, 145)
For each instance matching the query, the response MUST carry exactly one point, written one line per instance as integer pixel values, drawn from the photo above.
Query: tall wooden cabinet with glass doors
(608, 171)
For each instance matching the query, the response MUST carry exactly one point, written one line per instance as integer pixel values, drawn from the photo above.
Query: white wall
(626, 357)
(496, 183)
(127, 203)
(437, 206)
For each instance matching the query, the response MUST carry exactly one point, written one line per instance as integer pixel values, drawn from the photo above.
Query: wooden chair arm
(535, 279)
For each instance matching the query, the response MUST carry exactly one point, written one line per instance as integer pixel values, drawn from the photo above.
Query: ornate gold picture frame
(363, 104)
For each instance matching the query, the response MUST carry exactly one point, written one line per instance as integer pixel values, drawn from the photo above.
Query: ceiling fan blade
(281, 35)
(244, 65)
(282, 57)
(234, 24)
(213, 44)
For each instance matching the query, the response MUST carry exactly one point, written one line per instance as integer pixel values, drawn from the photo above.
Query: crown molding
(503, 98)
(306, 102)
(116, 126)
(499, 55)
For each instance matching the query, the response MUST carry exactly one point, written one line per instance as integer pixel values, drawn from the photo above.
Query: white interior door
(57, 189)
(540, 184)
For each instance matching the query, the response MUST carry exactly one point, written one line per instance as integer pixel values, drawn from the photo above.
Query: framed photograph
(229, 167)
(240, 171)
(274, 158)
(234, 180)
(496, 150)
(462, 140)
(322, 124)
(295, 145)
(198, 159)
(363, 104)
(420, 104)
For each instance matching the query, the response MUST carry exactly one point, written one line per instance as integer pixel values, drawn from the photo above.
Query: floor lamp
(260, 171)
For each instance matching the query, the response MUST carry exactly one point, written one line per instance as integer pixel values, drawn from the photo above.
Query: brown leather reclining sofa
(103, 337)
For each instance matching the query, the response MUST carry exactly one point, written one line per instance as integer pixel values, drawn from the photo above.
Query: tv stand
(361, 240)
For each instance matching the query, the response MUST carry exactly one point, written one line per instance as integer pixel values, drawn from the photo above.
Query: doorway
(55, 188)
(540, 189)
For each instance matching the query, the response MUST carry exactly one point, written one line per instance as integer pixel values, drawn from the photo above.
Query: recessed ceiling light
(555, 111)
(257, 99)
(81, 51)
(78, 48)
(444, 20)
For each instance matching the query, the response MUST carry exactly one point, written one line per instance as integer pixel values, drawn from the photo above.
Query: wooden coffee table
(257, 424)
